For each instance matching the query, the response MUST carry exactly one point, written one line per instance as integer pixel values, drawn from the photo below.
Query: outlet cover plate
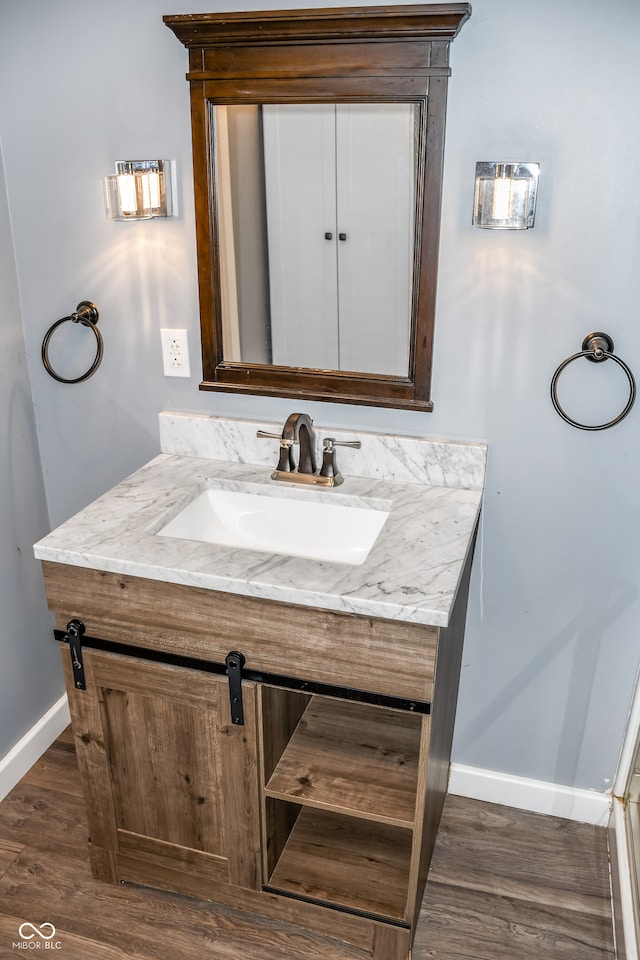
(175, 353)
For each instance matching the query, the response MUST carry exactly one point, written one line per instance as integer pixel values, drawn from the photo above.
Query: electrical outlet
(175, 353)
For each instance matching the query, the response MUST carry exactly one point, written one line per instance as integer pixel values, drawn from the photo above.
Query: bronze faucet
(298, 429)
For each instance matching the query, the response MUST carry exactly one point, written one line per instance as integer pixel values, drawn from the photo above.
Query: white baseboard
(538, 796)
(39, 738)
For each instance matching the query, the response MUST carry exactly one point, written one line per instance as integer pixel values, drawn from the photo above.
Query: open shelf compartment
(351, 758)
(346, 862)
(341, 801)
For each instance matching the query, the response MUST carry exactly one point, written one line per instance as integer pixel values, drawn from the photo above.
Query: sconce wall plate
(505, 195)
(139, 190)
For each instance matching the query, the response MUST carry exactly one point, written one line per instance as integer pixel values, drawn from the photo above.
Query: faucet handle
(286, 463)
(330, 442)
(329, 466)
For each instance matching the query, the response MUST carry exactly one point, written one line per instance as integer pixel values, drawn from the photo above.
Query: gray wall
(552, 647)
(30, 680)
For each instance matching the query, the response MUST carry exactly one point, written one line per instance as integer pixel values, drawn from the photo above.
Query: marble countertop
(411, 574)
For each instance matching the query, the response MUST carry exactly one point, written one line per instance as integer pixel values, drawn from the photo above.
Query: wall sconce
(139, 190)
(505, 195)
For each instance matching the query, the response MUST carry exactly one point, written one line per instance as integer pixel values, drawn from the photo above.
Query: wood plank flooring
(504, 885)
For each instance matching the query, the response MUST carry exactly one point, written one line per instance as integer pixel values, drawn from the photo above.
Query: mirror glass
(316, 231)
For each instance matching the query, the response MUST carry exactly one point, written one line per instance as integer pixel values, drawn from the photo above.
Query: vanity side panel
(422, 824)
(443, 715)
(364, 653)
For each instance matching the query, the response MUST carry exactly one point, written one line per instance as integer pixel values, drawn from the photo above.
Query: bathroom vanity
(265, 720)
(269, 731)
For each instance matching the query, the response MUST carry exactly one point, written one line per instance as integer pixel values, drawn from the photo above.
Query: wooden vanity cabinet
(321, 808)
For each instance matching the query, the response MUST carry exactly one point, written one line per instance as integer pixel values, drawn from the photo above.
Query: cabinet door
(170, 783)
(300, 189)
(375, 189)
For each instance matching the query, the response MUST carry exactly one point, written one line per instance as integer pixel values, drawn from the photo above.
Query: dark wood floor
(504, 885)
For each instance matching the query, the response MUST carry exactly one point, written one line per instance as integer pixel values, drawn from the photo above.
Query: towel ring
(87, 314)
(596, 347)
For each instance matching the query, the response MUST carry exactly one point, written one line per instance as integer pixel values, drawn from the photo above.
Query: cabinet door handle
(342, 236)
(328, 236)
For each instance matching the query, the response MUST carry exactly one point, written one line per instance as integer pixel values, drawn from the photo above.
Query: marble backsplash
(381, 457)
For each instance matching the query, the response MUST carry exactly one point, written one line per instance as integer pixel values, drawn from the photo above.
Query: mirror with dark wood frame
(318, 140)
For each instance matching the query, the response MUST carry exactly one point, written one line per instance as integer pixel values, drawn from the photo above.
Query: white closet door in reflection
(339, 183)
(300, 189)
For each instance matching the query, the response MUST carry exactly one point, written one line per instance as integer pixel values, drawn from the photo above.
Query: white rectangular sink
(313, 529)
